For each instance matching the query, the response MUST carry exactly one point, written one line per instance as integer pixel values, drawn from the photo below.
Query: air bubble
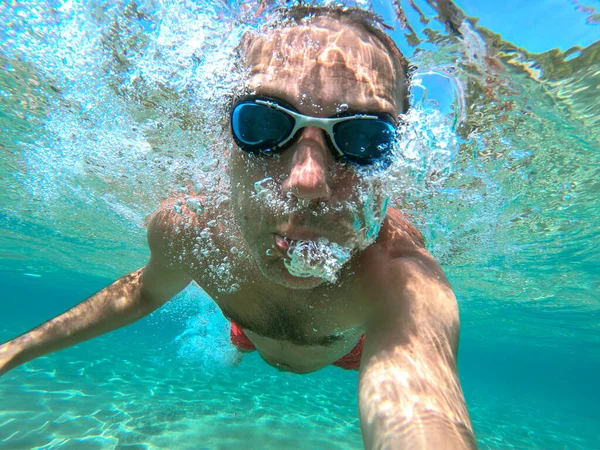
(342, 108)
(259, 188)
(195, 205)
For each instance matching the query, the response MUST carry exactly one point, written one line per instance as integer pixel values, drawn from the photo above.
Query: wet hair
(369, 21)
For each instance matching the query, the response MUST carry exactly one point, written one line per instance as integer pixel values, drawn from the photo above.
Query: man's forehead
(325, 59)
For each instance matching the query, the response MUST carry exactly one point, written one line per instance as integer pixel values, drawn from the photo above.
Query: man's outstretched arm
(123, 302)
(409, 392)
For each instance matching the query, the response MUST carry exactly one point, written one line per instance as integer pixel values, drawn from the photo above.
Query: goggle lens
(258, 127)
(364, 140)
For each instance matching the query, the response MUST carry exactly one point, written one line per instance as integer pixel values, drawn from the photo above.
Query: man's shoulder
(403, 244)
(172, 219)
(410, 280)
(196, 235)
(399, 235)
(177, 224)
(406, 275)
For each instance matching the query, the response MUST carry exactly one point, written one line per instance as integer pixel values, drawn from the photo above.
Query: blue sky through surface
(537, 25)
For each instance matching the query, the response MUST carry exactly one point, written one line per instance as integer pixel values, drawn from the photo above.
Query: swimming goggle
(262, 125)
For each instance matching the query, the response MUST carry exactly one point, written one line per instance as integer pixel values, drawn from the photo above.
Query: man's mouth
(282, 243)
(286, 244)
(317, 257)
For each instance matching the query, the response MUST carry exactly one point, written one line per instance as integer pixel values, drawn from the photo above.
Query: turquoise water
(133, 388)
(505, 189)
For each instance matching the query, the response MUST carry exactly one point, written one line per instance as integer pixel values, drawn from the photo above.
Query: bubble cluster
(205, 340)
(317, 258)
(216, 261)
(138, 112)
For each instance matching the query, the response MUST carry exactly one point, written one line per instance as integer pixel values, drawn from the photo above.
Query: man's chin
(279, 274)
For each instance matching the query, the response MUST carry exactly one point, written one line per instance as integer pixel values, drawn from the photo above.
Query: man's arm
(123, 302)
(409, 392)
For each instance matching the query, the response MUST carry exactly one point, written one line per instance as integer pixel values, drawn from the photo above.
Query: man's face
(303, 195)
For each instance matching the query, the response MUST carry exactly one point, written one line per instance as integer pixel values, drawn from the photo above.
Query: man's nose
(308, 177)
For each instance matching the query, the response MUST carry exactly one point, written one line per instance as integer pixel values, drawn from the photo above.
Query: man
(309, 264)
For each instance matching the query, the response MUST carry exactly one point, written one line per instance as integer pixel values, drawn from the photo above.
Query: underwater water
(101, 107)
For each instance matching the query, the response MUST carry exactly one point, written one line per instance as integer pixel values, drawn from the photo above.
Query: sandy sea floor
(124, 391)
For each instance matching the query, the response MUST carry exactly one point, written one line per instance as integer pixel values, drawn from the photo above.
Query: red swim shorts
(349, 362)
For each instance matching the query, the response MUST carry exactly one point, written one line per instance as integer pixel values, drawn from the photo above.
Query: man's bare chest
(296, 333)
(306, 319)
